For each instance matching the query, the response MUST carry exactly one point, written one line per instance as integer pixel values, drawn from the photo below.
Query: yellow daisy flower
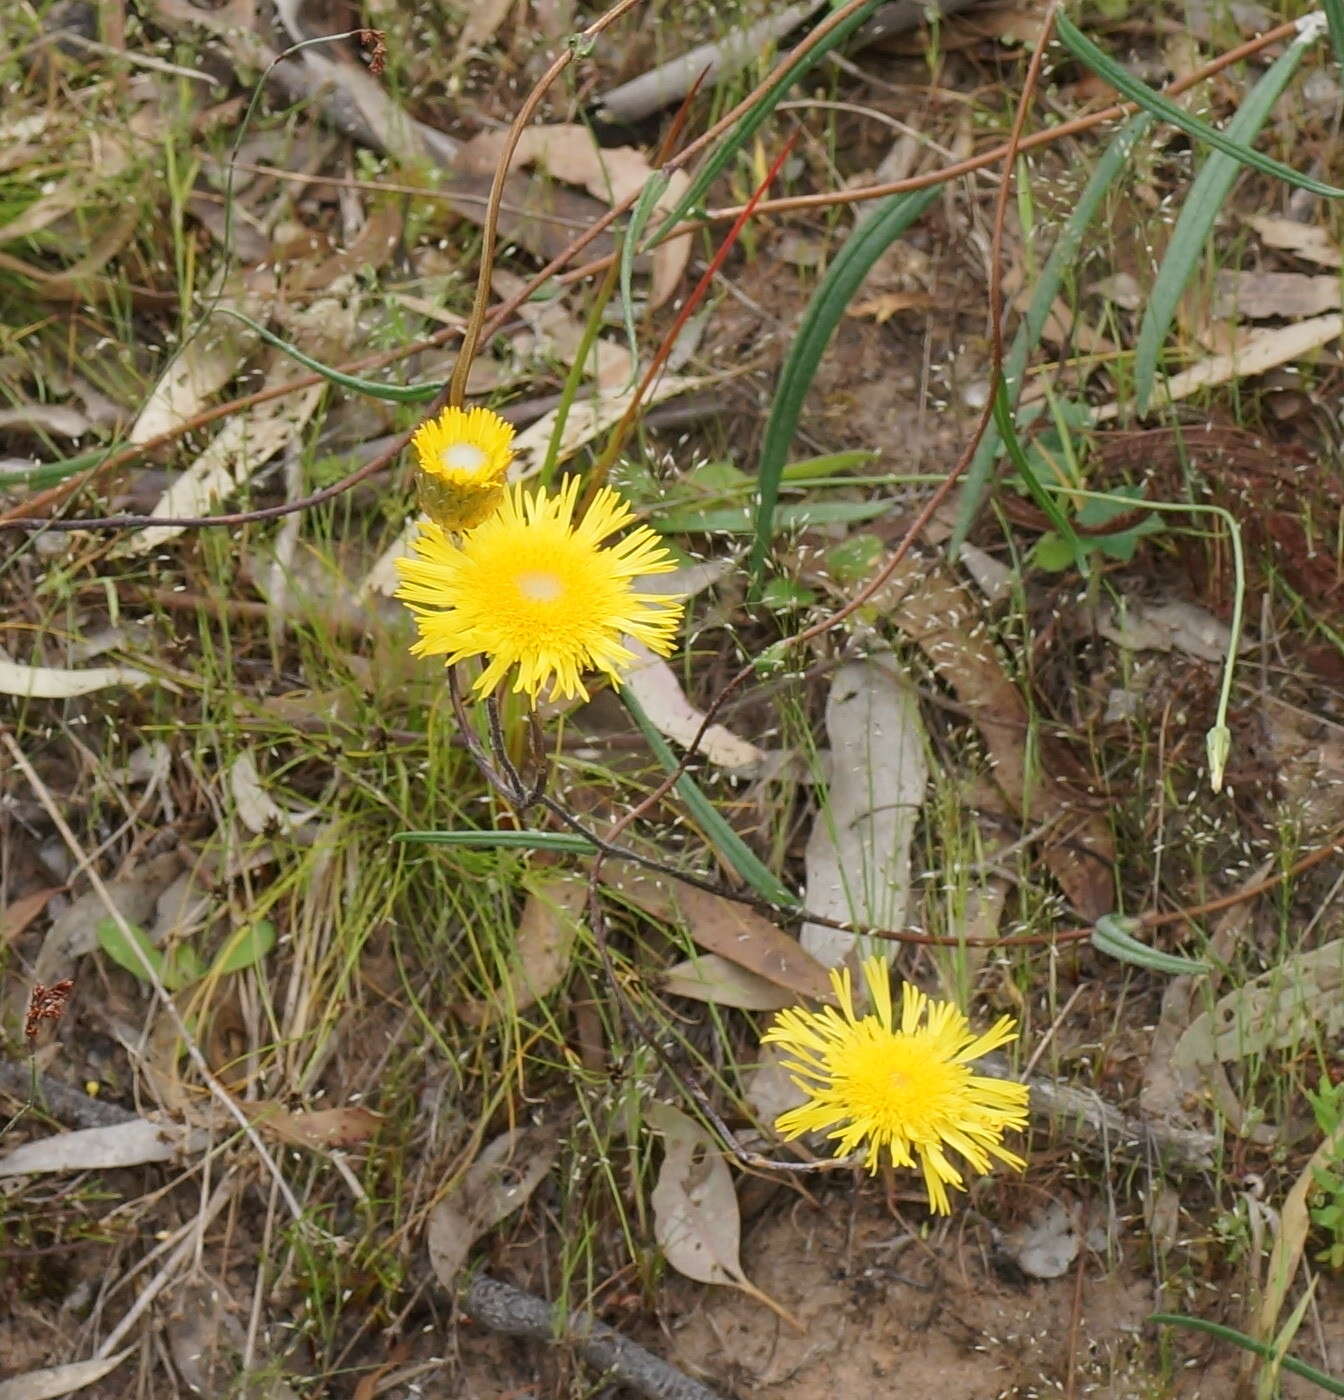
(462, 457)
(908, 1089)
(530, 587)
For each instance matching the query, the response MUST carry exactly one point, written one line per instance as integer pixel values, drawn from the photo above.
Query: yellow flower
(908, 1089)
(530, 587)
(462, 458)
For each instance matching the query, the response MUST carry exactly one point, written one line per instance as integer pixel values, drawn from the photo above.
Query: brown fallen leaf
(1259, 295)
(708, 977)
(744, 937)
(324, 1128)
(948, 626)
(500, 1181)
(547, 930)
(884, 306)
(1307, 241)
(723, 926)
(53, 1381)
(696, 1218)
(16, 917)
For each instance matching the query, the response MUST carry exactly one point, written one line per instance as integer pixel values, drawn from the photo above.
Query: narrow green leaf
(121, 950)
(842, 279)
(1083, 49)
(1003, 420)
(654, 189)
(721, 836)
(1334, 17)
(1061, 258)
(1207, 195)
(392, 393)
(1113, 935)
(53, 473)
(739, 520)
(502, 840)
(1327, 1383)
(752, 121)
(244, 947)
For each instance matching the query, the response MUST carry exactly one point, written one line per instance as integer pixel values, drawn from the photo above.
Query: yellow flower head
(908, 1089)
(530, 587)
(462, 457)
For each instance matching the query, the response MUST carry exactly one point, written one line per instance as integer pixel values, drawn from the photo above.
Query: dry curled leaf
(543, 949)
(696, 1220)
(750, 940)
(322, 1129)
(949, 627)
(858, 854)
(57, 683)
(55, 1381)
(128, 1144)
(708, 977)
(494, 1186)
(654, 685)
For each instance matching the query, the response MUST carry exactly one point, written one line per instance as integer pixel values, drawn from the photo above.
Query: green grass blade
(1112, 935)
(503, 840)
(1045, 502)
(393, 393)
(1327, 1383)
(1083, 49)
(1062, 255)
(1207, 195)
(706, 816)
(1334, 17)
(53, 473)
(654, 188)
(843, 278)
(754, 119)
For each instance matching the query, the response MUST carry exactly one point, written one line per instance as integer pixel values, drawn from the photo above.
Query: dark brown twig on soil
(503, 1308)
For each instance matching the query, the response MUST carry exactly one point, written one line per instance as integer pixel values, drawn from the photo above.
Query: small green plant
(1327, 1103)
(181, 965)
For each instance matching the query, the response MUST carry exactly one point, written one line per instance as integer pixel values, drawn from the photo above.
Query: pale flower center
(462, 457)
(539, 587)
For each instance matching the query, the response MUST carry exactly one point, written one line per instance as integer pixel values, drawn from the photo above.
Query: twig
(1086, 1119)
(59, 1099)
(671, 81)
(503, 1308)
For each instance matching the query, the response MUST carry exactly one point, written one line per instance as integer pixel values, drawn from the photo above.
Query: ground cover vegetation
(670, 699)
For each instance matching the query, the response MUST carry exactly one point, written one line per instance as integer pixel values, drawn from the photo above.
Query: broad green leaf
(1113, 935)
(1083, 49)
(842, 279)
(1199, 211)
(114, 942)
(244, 947)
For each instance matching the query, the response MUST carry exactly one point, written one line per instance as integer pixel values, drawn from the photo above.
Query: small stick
(503, 1308)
